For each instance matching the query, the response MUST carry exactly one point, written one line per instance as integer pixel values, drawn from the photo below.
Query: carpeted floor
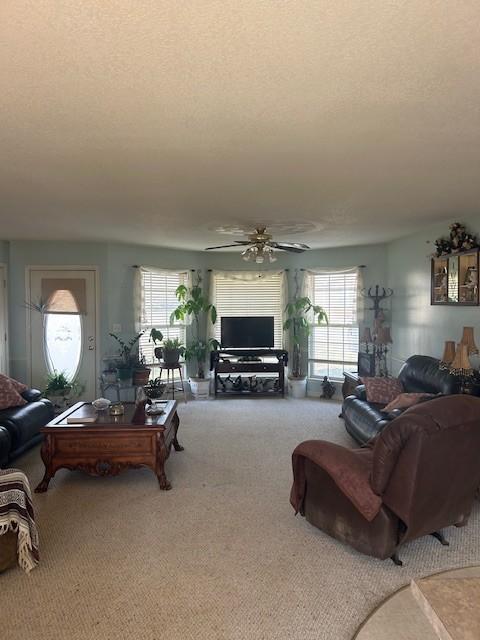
(221, 556)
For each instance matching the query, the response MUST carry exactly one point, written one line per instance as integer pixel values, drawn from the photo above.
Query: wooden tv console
(229, 362)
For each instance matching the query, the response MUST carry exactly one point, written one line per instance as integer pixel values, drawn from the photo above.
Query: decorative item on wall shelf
(454, 270)
(459, 240)
(373, 361)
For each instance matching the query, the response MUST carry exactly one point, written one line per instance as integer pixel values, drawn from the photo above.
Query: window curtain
(248, 276)
(308, 285)
(138, 299)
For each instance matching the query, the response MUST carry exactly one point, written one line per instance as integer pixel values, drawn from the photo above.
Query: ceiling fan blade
(222, 246)
(245, 242)
(290, 246)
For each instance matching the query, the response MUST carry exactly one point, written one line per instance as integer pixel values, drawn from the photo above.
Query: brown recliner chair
(419, 475)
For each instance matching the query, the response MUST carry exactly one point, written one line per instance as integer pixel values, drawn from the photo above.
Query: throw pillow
(9, 396)
(405, 400)
(382, 390)
(18, 386)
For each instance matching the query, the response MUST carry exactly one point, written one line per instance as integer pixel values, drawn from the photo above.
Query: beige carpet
(219, 556)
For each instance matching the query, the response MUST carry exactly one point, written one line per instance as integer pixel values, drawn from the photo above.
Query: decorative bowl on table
(101, 404)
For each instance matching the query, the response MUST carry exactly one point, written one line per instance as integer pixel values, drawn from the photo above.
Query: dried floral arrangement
(459, 240)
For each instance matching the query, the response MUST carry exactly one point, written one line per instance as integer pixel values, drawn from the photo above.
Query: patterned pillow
(382, 390)
(405, 400)
(18, 386)
(9, 396)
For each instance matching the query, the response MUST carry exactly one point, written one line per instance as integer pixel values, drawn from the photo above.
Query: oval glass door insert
(63, 343)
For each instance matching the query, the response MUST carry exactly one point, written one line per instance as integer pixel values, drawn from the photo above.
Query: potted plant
(170, 351)
(193, 303)
(127, 358)
(141, 372)
(298, 312)
(154, 389)
(60, 390)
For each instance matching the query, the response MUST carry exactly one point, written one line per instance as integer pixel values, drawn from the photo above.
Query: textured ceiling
(157, 121)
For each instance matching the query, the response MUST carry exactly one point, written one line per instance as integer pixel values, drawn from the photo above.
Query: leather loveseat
(419, 374)
(418, 477)
(20, 426)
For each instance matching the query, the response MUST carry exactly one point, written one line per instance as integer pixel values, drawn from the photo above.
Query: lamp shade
(383, 336)
(448, 352)
(461, 364)
(366, 335)
(469, 340)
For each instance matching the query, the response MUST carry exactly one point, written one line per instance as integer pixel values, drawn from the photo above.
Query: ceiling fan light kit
(260, 247)
(259, 254)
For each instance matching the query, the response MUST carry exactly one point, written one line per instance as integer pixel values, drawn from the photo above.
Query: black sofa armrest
(31, 395)
(361, 392)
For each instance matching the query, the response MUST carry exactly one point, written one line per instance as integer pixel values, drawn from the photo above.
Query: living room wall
(116, 277)
(417, 326)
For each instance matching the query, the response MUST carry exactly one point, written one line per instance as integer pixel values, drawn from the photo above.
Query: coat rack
(375, 362)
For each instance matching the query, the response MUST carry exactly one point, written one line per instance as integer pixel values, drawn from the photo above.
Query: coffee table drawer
(111, 444)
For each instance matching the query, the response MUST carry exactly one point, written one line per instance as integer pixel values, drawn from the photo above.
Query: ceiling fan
(260, 246)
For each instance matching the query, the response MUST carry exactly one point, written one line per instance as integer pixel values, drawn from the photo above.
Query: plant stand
(172, 368)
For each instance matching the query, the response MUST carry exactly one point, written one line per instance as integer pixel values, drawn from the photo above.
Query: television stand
(230, 369)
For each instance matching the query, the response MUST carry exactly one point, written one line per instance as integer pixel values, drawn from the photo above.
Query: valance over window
(64, 295)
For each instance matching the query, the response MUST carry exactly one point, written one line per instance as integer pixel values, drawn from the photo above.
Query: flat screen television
(247, 333)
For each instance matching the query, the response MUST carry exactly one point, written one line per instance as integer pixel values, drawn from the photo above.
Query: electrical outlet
(116, 328)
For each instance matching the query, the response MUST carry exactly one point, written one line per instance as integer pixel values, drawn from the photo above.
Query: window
(333, 348)
(158, 302)
(246, 295)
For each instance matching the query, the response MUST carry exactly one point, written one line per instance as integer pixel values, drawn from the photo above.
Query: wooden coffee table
(111, 444)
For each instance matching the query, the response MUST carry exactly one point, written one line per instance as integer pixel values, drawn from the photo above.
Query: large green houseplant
(301, 314)
(128, 356)
(195, 305)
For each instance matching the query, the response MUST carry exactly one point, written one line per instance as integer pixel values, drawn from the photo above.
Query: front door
(62, 310)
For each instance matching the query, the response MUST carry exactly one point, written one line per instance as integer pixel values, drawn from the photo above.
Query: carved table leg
(176, 445)
(162, 455)
(46, 454)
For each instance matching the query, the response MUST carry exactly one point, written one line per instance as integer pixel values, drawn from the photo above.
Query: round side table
(173, 367)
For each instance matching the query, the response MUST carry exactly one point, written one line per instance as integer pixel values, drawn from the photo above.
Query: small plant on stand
(194, 304)
(298, 312)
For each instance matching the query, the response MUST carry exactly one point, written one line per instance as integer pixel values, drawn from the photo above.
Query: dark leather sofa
(419, 476)
(419, 374)
(20, 426)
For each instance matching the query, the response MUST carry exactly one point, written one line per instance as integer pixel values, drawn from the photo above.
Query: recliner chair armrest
(391, 415)
(348, 468)
(31, 395)
(361, 392)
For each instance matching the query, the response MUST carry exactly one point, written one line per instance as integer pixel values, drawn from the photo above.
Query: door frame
(46, 267)
(4, 293)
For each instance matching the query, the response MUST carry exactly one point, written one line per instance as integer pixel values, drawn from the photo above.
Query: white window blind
(333, 348)
(257, 297)
(158, 302)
